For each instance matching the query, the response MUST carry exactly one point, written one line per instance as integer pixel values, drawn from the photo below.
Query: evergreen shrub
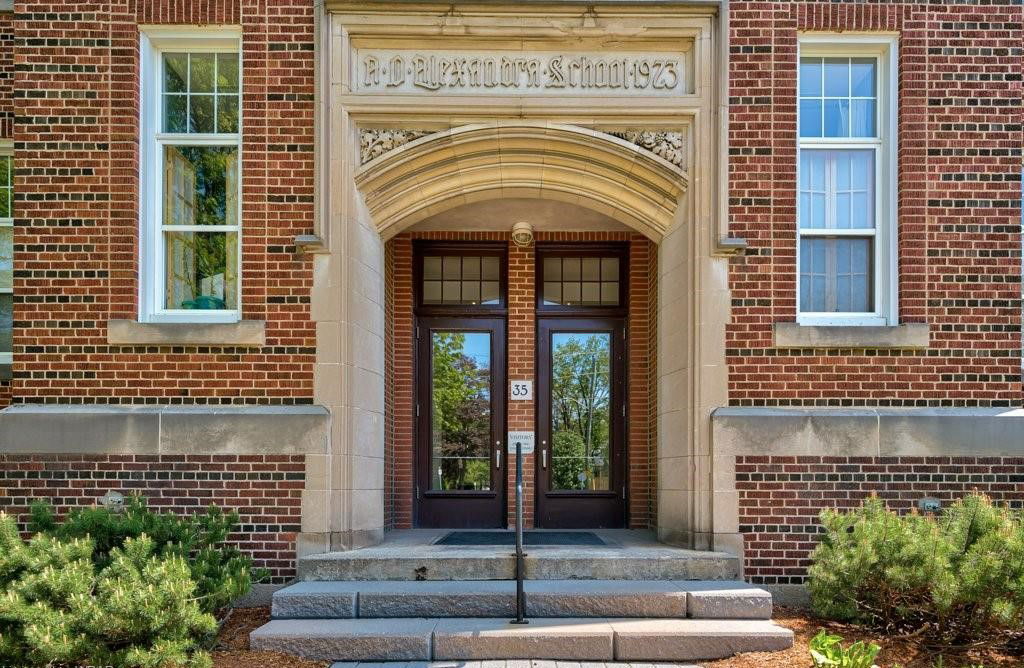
(954, 580)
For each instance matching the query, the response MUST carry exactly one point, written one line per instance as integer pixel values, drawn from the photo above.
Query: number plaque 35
(520, 390)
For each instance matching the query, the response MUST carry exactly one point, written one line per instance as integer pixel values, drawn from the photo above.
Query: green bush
(827, 650)
(57, 605)
(955, 580)
(221, 572)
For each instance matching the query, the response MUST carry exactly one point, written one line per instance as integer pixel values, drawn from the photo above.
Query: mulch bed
(232, 649)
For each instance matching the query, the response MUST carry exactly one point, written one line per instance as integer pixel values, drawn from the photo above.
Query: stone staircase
(629, 603)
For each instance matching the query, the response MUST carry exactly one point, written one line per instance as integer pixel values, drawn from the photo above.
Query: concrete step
(564, 639)
(544, 598)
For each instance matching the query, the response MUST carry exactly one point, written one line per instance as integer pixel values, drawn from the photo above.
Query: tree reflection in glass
(461, 405)
(580, 411)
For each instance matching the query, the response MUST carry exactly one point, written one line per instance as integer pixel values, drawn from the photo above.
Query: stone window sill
(792, 335)
(131, 333)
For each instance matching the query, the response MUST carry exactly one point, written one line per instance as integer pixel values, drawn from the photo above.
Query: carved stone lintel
(666, 144)
(378, 141)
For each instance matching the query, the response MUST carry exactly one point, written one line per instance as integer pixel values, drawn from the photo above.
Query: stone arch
(508, 159)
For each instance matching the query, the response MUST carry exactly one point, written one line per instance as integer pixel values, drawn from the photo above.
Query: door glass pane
(460, 392)
(581, 411)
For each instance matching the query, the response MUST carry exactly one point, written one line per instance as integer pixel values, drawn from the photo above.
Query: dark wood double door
(579, 395)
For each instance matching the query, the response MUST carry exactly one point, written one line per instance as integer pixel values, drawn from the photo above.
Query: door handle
(497, 454)
(544, 455)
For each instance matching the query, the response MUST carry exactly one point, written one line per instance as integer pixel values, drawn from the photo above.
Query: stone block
(347, 639)
(695, 639)
(604, 598)
(726, 600)
(314, 600)
(468, 598)
(566, 639)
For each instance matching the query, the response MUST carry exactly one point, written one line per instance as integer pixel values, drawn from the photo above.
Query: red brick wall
(400, 432)
(958, 194)
(780, 498)
(266, 490)
(76, 235)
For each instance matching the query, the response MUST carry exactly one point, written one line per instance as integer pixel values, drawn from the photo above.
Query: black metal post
(520, 569)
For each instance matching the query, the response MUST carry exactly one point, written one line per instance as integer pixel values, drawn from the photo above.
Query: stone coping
(164, 429)
(868, 432)
(241, 333)
(912, 336)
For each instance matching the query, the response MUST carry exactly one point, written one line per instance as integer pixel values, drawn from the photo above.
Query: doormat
(534, 538)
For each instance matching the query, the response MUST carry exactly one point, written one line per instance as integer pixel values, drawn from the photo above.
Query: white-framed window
(846, 181)
(190, 175)
(6, 252)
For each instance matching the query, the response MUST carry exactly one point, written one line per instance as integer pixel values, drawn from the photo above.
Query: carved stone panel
(666, 144)
(375, 142)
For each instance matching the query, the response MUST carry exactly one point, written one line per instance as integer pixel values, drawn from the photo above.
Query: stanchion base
(520, 621)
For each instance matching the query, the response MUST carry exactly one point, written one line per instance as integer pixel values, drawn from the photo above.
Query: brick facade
(400, 428)
(266, 490)
(77, 207)
(781, 497)
(959, 220)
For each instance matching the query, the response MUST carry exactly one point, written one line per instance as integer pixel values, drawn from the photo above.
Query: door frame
(458, 509)
(551, 509)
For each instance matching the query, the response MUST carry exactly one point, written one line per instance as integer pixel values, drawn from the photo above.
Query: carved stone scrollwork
(668, 145)
(378, 141)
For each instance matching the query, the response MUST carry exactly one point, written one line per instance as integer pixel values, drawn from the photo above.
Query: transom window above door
(460, 277)
(581, 278)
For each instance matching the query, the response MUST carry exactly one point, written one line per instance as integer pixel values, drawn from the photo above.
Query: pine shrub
(221, 572)
(956, 579)
(58, 605)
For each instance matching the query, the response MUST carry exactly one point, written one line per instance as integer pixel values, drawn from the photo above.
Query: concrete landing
(414, 555)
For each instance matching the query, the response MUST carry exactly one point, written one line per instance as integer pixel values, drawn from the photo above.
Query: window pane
(837, 118)
(552, 293)
(591, 268)
(6, 257)
(571, 268)
(432, 292)
(6, 186)
(201, 70)
(175, 72)
(200, 113)
(813, 165)
(610, 293)
(580, 411)
(490, 292)
(227, 72)
(610, 269)
(6, 323)
(452, 292)
(202, 270)
(810, 77)
(835, 275)
(471, 268)
(862, 77)
(837, 77)
(862, 118)
(227, 113)
(810, 118)
(552, 269)
(175, 113)
(591, 293)
(432, 267)
(489, 268)
(200, 185)
(460, 434)
(855, 207)
(471, 291)
(452, 267)
(571, 293)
